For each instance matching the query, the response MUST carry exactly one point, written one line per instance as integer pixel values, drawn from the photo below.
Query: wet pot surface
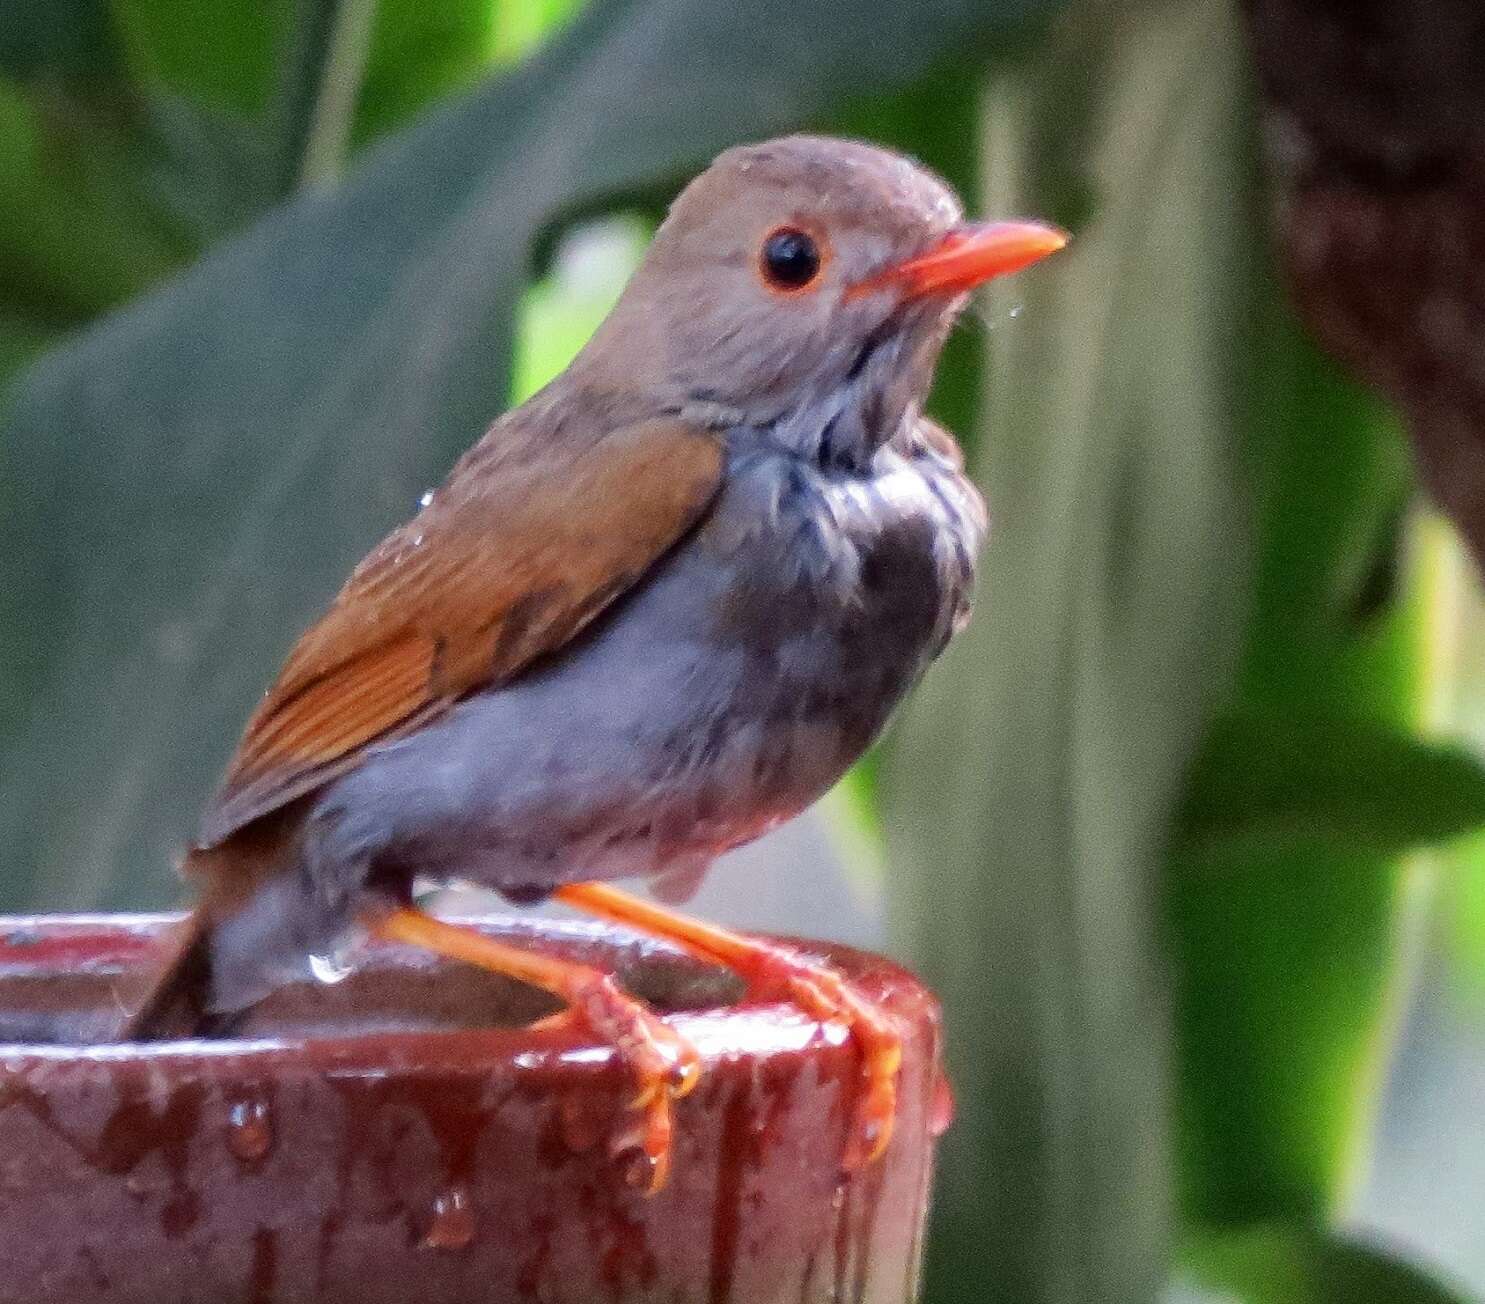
(402, 1135)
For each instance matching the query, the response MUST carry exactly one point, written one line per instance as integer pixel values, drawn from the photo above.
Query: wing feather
(503, 566)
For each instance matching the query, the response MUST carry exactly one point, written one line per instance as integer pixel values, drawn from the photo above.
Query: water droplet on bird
(329, 967)
(452, 1224)
(249, 1130)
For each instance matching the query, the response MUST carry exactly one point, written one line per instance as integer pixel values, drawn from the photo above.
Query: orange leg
(666, 1065)
(777, 971)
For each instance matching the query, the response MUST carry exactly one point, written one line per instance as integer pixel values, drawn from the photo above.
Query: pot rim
(32, 944)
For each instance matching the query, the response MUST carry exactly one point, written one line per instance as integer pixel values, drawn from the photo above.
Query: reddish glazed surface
(399, 1137)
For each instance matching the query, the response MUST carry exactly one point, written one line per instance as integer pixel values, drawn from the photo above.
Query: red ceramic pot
(401, 1136)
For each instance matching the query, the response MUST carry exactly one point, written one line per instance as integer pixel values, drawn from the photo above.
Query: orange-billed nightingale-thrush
(658, 609)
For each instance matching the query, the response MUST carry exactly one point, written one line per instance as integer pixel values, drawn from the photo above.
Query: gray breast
(725, 694)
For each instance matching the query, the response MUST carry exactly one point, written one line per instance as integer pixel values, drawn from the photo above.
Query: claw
(875, 1114)
(774, 972)
(649, 1139)
(827, 997)
(687, 1071)
(666, 1064)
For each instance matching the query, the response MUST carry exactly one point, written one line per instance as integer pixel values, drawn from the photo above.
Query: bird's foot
(778, 972)
(665, 1064)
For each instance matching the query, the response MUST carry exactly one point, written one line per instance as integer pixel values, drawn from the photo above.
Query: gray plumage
(721, 698)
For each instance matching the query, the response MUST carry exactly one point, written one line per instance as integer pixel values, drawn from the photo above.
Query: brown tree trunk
(1374, 122)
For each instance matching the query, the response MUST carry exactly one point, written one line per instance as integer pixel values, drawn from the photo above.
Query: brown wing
(506, 563)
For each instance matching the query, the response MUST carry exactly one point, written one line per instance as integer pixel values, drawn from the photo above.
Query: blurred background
(1184, 830)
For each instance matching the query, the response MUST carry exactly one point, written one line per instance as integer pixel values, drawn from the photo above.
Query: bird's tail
(168, 998)
(172, 996)
(207, 969)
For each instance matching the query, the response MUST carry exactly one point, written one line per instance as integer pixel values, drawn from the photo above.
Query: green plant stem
(320, 80)
(345, 65)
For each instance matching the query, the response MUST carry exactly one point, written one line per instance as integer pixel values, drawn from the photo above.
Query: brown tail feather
(169, 997)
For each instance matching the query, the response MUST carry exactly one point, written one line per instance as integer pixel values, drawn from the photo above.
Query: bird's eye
(790, 259)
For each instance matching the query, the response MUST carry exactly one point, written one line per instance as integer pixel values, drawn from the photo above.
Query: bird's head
(807, 284)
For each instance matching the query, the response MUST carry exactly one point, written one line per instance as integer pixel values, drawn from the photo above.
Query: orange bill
(969, 256)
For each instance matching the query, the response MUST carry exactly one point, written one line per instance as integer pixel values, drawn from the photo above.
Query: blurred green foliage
(1148, 824)
(1270, 1263)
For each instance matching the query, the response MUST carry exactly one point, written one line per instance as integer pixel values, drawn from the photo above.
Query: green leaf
(79, 229)
(59, 34)
(1463, 913)
(185, 486)
(521, 25)
(118, 167)
(1332, 629)
(1296, 1264)
(422, 52)
(1269, 781)
(1281, 971)
(217, 55)
(1284, 964)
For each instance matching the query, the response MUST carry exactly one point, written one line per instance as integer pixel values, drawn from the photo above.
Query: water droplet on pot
(249, 1130)
(941, 1108)
(452, 1224)
(579, 1123)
